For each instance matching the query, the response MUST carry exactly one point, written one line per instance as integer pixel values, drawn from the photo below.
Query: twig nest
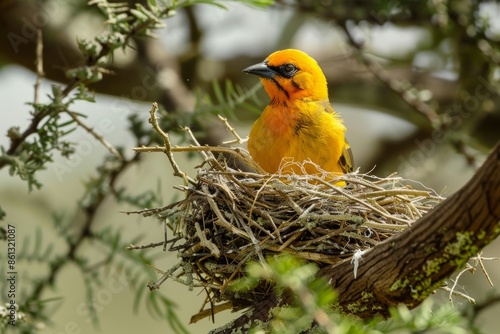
(230, 217)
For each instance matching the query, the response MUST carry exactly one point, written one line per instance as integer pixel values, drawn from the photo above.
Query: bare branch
(97, 136)
(238, 139)
(168, 146)
(38, 64)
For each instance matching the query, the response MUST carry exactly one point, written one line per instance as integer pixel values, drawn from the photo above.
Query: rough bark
(409, 266)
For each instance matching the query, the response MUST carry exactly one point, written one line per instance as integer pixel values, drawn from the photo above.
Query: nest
(229, 217)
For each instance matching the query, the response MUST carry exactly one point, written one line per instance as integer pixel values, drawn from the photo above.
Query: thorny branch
(90, 213)
(97, 136)
(238, 139)
(167, 149)
(92, 62)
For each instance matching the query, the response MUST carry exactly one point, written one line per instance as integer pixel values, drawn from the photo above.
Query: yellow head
(291, 74)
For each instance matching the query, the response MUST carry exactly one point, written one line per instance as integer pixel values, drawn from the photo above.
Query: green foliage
(229, 98)
(315, 298)
(428, 317)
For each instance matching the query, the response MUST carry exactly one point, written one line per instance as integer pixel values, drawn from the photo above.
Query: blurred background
(416, 82)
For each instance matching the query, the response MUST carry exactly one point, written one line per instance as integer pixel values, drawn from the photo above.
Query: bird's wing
(346, 160)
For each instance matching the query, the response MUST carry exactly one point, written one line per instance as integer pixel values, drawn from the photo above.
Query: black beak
(261, 69)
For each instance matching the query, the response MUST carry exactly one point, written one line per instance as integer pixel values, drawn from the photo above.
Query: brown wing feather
(346, 160)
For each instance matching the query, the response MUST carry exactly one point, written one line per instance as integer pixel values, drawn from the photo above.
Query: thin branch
(97, 136)
(484, 271)
(238, 139)
(206, 148)
(174, 149)
(211, 311)
(479, 260)
(195, 141)
(459, 294)
(91, 212)
(486, 304)
(468, 268)
(38, 64)
(151, 245)
(168, 146)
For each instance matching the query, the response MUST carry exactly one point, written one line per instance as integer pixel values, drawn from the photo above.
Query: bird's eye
(289, 68)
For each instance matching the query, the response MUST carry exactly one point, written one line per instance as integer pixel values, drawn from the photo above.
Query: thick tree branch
(410, 266)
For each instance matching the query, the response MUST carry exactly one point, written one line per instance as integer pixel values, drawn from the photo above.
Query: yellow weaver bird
(299, 124)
